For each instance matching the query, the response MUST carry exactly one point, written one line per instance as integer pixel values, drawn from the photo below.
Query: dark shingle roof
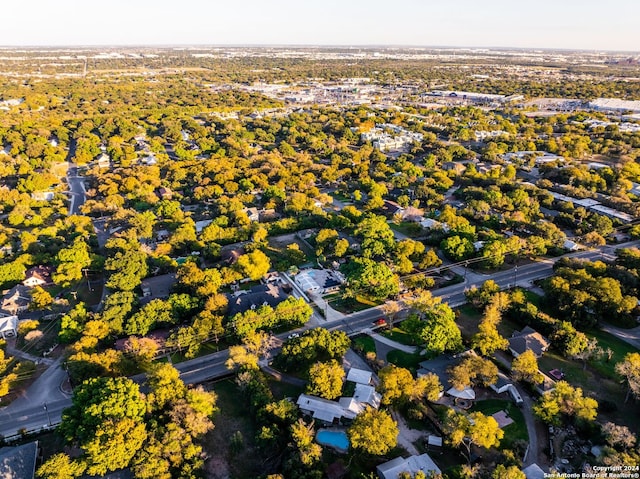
(18, 462)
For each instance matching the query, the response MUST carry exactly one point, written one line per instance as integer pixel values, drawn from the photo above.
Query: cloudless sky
(576, 24)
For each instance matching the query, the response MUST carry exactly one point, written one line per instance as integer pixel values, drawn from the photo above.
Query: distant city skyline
(547, 24)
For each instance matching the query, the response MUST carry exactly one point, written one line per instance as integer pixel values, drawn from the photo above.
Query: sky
(563, 24)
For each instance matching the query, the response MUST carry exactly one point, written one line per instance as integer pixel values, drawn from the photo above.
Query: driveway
(630, 336)
(535, 430)
(389, 342)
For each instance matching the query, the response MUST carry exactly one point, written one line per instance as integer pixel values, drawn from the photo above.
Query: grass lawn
(620, 349)
(91, 296)
(364, 343)
(595, 382)
(347, 305)
(398, 335)
(467, 319)
(283, 390)
(233, 419)
(412, 230)
(405, 360)
(517, 431)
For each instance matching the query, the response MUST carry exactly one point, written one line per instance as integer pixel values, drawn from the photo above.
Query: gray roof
(527, 339)
(439, 367)
(534, 472)
(359, 376)
(412, 464)
(18, 462)
(270, 294)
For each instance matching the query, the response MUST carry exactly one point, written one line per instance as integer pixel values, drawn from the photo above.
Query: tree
(61, 466)
(473, 429)
(253, 265)
(565, 400)
(629, 369)
(314, 345)
(98, 400)
(471, 371)
(525, 368)
(618, 436)
(568, 340)
(326, 379)
(40, 299)
(391, 310)
(114, 444)
(157, 311)
(507, 472)
(398, 386)
(127, 269)
(488, 339)
(373, 432)
(303, 437)
(377, 236)
(438, 328)
(371, 279)
(70, 263)
(457, 248)
(481, 297)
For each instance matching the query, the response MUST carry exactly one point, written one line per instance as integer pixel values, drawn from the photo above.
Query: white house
(413, 464)
(360, 376)
(8, 326)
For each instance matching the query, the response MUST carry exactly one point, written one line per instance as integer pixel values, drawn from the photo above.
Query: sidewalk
(391, 342)
(11, 350)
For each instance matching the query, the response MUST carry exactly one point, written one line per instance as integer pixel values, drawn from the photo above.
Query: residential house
(321, 281)
(43, 195)
(38, 276)
(457, 167)
(345, 408)
(528, 339)
(392, 208)
(367, 395)
(323, 409)
(412, 214)
(413, 464)
(19, 462)
(360, 376)
(230, 255)
(16, 300)
(157, 287)
(104, 161)
(8, 326)
(440, 367)
(165, 193)
(260, 295)
(534, 472)
(252, 213)
(571, 245)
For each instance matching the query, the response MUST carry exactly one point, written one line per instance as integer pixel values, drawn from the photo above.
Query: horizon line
(310, 46)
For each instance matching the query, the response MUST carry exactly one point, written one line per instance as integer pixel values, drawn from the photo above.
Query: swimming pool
(333, 438)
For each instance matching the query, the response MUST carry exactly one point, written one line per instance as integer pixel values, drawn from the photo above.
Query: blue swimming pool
(337, 439)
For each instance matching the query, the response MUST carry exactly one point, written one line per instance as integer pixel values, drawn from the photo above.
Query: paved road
(77, 192)
(212, 366)
(629, 336)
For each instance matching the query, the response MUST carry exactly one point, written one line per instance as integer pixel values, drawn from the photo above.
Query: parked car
(380, 322)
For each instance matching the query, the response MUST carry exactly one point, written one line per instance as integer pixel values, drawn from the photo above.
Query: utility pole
(47, 411)
(515, 276)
